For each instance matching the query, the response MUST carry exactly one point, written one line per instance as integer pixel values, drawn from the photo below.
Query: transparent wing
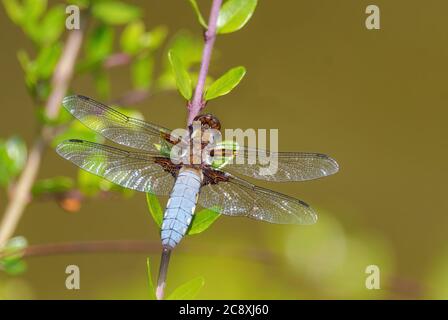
(280, 166)
(237, 197)
(116, 126)
(134, 170)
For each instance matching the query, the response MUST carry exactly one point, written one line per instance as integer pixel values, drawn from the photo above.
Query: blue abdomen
(180, 208)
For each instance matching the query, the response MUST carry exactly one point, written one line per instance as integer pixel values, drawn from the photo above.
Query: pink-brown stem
(197, 103)
(194, 107)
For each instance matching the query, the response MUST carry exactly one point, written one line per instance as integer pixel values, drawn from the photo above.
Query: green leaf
(188, 290)
(164, 148)
(77, 130)
(41, 68)
(100, 43)
(183, 80)
(229, 147)
(202, 220)
(91, 184)
(142, 70)
(102, 83)
(14, 248)
(225, 83)
(11, 261)
(13, 267)
(195, 7)
(46, 61)
(63, 117)
(13, 154)
(115, 12)
(189, 50)
(17, 153)
(131, 38)
(154, 208)
(14, 10)
(154, 38)
(52, 185)
(234, 14)
(51, 27)
(34, 8)
(5, 175)
(82, 4)
(152, 290)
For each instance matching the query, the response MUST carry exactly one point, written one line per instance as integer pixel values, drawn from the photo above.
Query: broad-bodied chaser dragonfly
(148, 168)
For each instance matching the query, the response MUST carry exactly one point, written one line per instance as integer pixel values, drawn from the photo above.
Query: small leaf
(46, 61)
(34, 8)
(234, 14)
(152, 290)
(63, 117)
(142, 70)
(79, 131)
(183, 80)
(202, 220)
(188, 290)
(51, 27)
(154, 38)
(230, 149)
(11, 261)
(100, 43)
(154, 208)
(102, 83)
(14, 10)
(52, 185)
(13, 267)
(189, 50)
(195, 7)
(91, 184)
(82, 4)
(164, 148)
(115, 12)
(13, 154)
(17, 153)
(130, 40)
(225, 83)
(14, 248)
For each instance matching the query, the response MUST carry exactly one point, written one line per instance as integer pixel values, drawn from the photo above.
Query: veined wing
(140, 171)
(237, 197)
(279, 166)
(116, 126)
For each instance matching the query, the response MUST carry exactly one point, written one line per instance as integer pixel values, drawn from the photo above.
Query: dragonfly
(143, 164)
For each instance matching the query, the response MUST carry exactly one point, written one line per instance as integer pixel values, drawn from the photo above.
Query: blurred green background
(373, 100)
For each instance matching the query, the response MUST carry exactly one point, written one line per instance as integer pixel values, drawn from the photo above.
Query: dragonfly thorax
(196, 147)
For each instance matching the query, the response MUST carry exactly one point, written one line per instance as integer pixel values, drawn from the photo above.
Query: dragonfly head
(208, 121)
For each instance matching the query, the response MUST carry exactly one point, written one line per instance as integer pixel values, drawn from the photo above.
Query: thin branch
(64, 72)
(140, 246)
(122, 246)
(195, 106)
(116, 60)
(60, 82)
(163, 271)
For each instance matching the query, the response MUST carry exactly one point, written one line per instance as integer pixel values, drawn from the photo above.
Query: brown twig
(116, 60)
(60, 82)
(196, 105)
